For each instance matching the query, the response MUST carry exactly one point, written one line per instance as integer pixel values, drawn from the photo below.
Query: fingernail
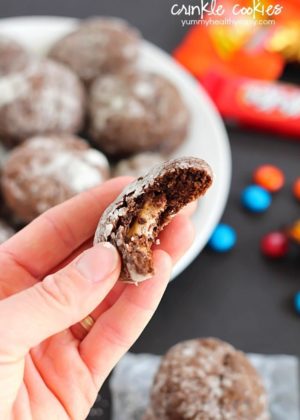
(98, 262)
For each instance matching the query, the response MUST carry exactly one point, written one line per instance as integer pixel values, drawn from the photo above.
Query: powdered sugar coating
(136, 112)
(44, 97)
(13, 56)
(98, 46)
(46, 171)
(207, 379)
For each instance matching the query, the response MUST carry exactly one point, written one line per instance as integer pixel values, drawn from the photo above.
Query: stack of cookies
(79, 116)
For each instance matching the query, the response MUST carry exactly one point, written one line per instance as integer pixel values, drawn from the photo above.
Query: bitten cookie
(136, 112)
(45, 171)
(207, 379)
(138, 165)
(98, 46)
(134, 220)
(45, 97)
(13, 56)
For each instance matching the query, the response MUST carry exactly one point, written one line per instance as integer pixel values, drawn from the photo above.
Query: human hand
(51, 279)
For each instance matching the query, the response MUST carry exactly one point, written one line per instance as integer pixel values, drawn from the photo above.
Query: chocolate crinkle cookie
(13, 56)
(45, 97)
(138, 164)
(136, 112)
(6, 231)
(207, 379)
(134, 220)
(98, 46)
(45, 171)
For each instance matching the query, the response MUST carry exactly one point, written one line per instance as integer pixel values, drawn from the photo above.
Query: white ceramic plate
(207, 138)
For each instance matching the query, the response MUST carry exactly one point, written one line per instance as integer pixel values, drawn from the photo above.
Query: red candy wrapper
(263, 105)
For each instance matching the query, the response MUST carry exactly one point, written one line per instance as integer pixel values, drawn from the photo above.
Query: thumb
(59, 301)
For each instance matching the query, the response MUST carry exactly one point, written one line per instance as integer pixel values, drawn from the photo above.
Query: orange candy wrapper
(239, 61)
(255, 51)
(199, 55)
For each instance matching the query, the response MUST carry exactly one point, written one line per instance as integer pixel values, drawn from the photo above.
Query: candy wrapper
(255, 45)
(132, 379)
(267, 106)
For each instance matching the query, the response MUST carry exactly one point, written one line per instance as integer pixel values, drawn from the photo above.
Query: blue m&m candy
(223, 238)
(297, 302)
(256, 199)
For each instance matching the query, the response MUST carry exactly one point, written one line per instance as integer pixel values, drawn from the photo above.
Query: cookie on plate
(136, 112)
(13, 56)
(134, 220)
(138, 164)
(44, 97)
(207, 379)
(98, 46)
(46, 170)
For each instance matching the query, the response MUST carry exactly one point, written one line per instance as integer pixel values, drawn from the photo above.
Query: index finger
(117, 329)
(54, 235)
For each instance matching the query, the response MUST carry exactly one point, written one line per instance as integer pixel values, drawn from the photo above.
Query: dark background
(239, 297)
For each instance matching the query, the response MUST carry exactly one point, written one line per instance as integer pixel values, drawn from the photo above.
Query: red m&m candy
(275, 245)
(269, 177)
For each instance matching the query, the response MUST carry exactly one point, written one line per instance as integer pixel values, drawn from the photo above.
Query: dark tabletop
(240, 297)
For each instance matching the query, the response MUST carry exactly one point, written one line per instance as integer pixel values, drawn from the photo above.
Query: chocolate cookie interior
(141, 212)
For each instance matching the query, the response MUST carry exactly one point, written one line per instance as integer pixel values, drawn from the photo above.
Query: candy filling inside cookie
(152, 211)
(142, 233)
(147, 218)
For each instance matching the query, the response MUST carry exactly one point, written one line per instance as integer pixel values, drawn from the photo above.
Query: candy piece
(256, 199)
(294, 232)
(269, 177)
(275, 245)
(297, 302)
(223, 238)
(296, 189)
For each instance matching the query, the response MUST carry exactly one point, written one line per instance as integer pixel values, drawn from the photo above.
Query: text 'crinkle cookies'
(134, 220)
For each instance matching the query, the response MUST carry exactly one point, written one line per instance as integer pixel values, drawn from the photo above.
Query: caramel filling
(147, 220)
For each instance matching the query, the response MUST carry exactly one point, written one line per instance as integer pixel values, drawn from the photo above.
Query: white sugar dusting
(55, 103)
(95, 158)
(144, 89)
(71, 170)
(111, 97)
(46, 171)
(15, 85)
(195, 382)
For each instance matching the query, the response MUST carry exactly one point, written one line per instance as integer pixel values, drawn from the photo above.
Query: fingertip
(126, 179)
(177, 237)
(98, 262)
(162, 260)
(189, 209)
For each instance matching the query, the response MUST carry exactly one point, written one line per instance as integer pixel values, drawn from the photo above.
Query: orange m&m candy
(294, 232)
(296, 189)
(269, 177)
